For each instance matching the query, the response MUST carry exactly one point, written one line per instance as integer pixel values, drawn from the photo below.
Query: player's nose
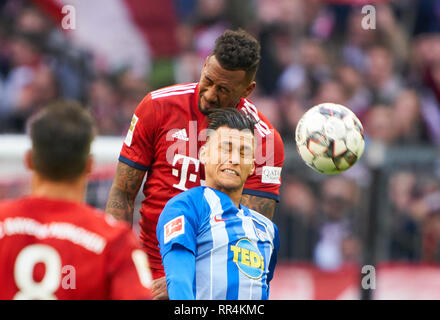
(211, 97)
(234, 157)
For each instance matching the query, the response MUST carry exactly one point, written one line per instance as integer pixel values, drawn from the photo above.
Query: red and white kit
(165, 137)
(52, 249)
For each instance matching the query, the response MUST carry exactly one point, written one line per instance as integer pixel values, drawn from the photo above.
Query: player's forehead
(226, 135)
(215, 72)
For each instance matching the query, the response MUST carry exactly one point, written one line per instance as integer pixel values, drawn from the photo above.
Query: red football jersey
(165, 136)
(52, 249)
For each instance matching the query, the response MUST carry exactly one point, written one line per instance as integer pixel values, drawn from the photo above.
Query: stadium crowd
(312, 51)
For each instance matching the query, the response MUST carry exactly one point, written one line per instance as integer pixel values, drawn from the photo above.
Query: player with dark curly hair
(168, 129)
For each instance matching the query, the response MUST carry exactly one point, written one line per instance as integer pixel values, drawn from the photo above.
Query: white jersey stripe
(174, 88)
(245, 284)
(219, 253)
(250, 288)
(173, 93)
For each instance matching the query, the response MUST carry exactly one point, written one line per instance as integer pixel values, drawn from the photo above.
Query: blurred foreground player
(52, 245)
(213, 247)
(165, 137)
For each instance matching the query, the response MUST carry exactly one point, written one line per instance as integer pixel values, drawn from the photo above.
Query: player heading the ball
(165, 138)
(212, 246)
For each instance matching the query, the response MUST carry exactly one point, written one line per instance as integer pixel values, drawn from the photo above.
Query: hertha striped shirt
(235, 248)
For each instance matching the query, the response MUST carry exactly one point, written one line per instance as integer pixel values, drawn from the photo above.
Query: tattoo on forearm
(265, 206)
(123, 192)
(119, 206)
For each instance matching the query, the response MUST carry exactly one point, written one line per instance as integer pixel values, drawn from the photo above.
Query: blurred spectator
(358, 97)
(338, 242)
(428, 209)
(132, 92)
(292, 110)
(382, 80)
(104, 104)
(379, 124)
(427, 16)
(296, 220)
(404, 230)
(330, 91)
(357, 41)
(29, 84)
(188, 67)
(309, 72)
(210, 24)
(431, 238)
(391, 34)
(411, 127)
(430, 102)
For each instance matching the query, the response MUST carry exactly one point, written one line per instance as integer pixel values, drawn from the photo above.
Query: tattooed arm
(265, 206)
(126, 184)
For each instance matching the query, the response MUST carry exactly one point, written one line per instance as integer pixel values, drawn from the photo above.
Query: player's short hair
(238, 50)
(61, 136)
(231, 118)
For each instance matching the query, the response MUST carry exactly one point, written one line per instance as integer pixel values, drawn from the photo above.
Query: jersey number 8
(24, 268)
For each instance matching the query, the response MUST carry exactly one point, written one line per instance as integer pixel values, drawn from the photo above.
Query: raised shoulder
(262, 124)
(175, 90)
(191, 198)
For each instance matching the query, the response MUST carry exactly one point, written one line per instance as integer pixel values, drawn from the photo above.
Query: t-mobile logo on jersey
(184, 176)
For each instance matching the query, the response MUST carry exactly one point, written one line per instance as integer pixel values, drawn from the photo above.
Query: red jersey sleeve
(129, 274)
(269, 159)
(138, 147)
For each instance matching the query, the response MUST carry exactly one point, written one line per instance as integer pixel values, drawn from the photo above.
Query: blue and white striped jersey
(235, 249)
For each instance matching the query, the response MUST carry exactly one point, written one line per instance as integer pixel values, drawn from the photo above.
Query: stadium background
(385, 213)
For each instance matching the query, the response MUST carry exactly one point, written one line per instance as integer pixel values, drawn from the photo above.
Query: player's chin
(206, 108)
(231, 183)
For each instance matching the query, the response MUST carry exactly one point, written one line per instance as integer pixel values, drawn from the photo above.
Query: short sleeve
(138, 147)
(178, 224)
(129, 275)
(269, 159)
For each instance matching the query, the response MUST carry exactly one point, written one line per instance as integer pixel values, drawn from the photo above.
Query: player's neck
(73, 191)
(235, 195)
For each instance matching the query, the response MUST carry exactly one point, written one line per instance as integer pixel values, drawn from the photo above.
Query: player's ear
(252, 168)
(249, 89)
(90, 163)
(203, 154)
(29, 164)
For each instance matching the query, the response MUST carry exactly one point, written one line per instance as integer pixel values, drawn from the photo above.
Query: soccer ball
(329, 137)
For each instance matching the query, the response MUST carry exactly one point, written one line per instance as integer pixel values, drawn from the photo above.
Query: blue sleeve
(273, 258)
(178, 224)
(180, 269)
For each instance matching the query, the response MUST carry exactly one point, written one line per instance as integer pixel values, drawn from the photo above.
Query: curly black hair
(238, 50)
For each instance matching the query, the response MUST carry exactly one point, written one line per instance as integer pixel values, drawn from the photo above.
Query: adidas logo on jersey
(181, 135)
